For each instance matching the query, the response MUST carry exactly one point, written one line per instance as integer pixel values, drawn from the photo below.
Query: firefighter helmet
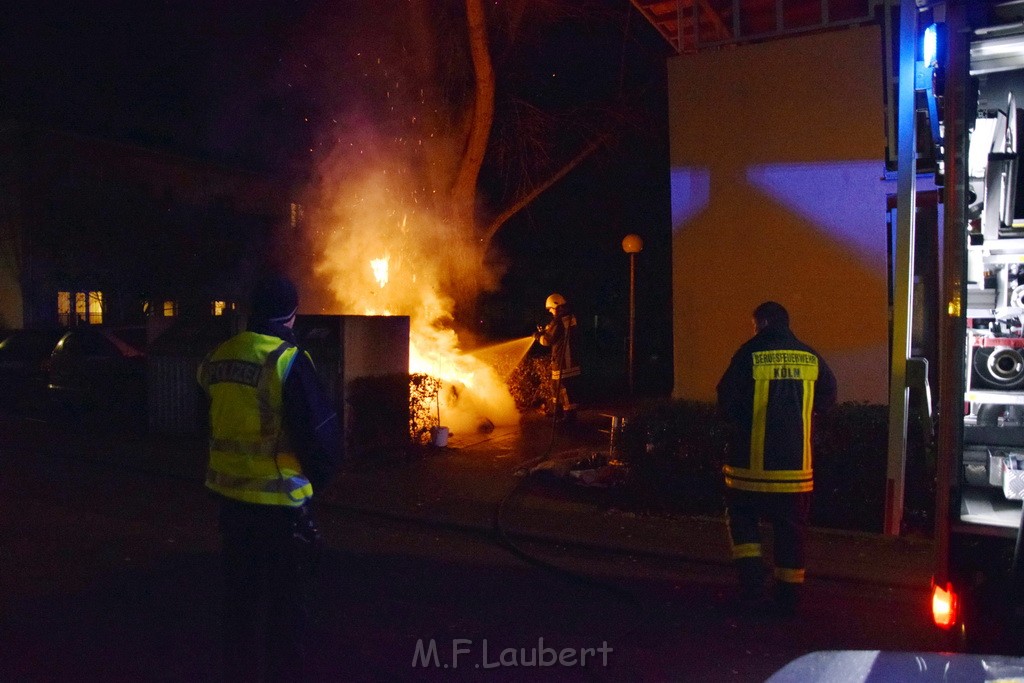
(554, 301)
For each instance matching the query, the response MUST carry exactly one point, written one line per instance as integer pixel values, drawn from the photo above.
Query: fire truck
(965, 60)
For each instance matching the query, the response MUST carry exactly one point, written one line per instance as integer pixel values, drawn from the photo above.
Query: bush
(530, 382)
(423, 407)
(676, 449)
(850, 452)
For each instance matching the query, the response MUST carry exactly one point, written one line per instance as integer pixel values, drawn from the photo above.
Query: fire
(380, 270)
(420, 251)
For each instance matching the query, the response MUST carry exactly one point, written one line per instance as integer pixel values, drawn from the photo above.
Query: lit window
(80, 306)
(88, 308)
(64, 308)
(170, 309)
(95, 310)
(219, 307)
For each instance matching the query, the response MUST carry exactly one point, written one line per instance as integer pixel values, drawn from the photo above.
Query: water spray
(504, 357)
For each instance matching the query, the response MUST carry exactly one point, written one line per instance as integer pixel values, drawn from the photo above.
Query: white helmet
(554, 301)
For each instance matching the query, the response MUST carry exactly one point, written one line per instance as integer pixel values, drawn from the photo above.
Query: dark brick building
(100, 232)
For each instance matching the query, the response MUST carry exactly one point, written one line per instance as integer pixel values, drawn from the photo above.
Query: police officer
(562, 335)
(274, 442)
(770, 393)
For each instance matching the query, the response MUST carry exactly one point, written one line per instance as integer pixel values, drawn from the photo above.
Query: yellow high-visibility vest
(250, 458)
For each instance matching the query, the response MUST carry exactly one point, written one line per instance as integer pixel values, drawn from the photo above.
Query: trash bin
(364, 361)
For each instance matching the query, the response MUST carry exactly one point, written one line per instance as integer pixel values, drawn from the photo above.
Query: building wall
(12, 315)
(81, 214)
(777, 165)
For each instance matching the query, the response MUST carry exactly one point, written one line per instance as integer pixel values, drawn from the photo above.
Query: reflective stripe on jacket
(561, 335)
(770, 392)
(250, 458)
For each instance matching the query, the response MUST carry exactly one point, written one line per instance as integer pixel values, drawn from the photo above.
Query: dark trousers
(269, 560)
(564, 397)
(788, 514)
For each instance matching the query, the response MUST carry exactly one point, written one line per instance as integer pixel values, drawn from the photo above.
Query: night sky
(198, 81)
(257, 85)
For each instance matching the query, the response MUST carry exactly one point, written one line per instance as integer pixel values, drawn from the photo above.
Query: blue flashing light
(929, 48)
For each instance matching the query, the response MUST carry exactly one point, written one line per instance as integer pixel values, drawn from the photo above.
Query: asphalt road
(109, 572)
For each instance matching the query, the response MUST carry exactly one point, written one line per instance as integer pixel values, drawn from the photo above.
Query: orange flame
(417, 249)
(380, 270)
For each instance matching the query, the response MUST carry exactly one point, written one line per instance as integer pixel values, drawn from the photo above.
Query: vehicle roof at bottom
(877, 665)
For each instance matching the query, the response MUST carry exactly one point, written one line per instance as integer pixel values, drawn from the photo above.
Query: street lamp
(632, 244)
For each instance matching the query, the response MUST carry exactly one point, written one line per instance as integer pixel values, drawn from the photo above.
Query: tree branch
(516, 206)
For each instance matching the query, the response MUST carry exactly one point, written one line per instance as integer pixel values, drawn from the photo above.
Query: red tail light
(944, 606)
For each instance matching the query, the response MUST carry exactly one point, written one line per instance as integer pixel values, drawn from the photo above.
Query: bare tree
(454, 79)
(463, 191)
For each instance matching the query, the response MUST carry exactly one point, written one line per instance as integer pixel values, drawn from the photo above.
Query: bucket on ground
(439, 436)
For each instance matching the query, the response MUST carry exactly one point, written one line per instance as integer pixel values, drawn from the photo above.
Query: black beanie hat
(771, 314)
(274, 299)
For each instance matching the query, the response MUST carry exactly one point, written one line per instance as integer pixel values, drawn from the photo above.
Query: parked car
(100, 371)
(24, 355)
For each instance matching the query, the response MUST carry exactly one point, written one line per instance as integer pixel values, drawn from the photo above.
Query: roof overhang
(693, 25)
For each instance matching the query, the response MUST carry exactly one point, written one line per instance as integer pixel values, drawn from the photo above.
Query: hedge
(675, 450)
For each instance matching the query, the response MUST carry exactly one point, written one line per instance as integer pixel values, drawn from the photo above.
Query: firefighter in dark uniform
(562, 335)
(274, 442)
(770, 393)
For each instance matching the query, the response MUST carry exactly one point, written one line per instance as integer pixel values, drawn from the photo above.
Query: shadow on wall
(810, 247)
(779, 193)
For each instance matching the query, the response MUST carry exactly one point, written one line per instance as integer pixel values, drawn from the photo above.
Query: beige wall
(777, 154)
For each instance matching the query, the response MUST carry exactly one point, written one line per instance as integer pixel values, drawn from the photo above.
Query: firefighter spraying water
(562, 335)
(378, 255)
